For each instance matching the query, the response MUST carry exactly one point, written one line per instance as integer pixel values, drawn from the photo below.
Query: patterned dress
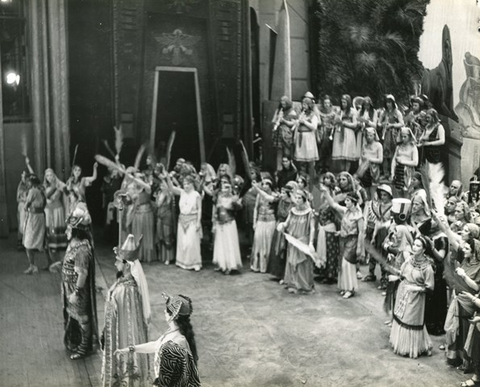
(79, 259)
(124, 326)
(174, 362)
(409, 336)
(143, 223)
(262, 240)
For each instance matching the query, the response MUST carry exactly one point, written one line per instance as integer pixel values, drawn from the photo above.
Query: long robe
(124, 325)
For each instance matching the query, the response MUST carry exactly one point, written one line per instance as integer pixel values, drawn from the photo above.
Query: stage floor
(249, 330)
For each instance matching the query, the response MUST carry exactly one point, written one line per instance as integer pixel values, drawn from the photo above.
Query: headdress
(302, 193)
(408, 131)
(371, 130)
(309, 95)
(391, 98)
(401, 207)
(417, 99)
(385, 188)
(129, 251)
(291, 186)
(178, 305)
(353, 196)
(79, 218)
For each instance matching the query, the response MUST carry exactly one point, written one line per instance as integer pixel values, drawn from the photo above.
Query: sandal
(470, 383)
(77, 356)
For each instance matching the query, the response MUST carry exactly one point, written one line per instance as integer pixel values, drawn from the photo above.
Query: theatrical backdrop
(213, 71)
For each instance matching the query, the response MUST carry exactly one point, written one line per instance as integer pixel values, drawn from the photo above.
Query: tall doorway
(176, 107)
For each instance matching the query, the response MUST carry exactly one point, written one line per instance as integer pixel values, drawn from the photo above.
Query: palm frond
(118, 138)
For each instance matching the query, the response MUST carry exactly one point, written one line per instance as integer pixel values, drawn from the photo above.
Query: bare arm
(313, 124)
(199, 212)
(266, 196)
(30, 169)
(441, 138)
(89, 180)
(175, 190)
(337, 207)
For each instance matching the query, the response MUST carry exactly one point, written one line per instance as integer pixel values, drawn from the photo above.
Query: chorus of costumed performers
(352, 235)
(77, 182)
(409, 336)
(327, 126)
(412, 117)
(305, 142)
(462, 217)
(390, 121)
(287, 173)
(189, 231)
(403, 162)
(264, 226)
(22, 192)
(78, 286)
(249, 199)
(371, 159)
(344, 138)
(328, 249)
(165, 223)
(300, 224)
(436, 303)
(34, 225)
(381, 208)
(433, 139)
(465, 255)
(397, 244)
(54, 210)
(175, 351)
(143, 219)
(283, 122)
(226, 248)
(278, 252)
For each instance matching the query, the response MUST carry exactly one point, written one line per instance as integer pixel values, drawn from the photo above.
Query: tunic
(34, 227)
(344, 140)
(299, 269)
(305, 141)
(188, 237)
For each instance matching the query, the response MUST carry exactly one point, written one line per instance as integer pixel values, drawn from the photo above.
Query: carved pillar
(49, 77)
(36, 19)
(58, 85)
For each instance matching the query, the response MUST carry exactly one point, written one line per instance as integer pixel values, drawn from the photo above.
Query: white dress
(188, 237)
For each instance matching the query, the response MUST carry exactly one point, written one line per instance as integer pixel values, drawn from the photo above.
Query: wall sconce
(12, 78)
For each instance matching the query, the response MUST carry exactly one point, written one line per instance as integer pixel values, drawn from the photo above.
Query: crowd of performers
(301, 224)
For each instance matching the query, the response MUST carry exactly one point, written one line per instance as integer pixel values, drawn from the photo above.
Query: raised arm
(337, 207)
(266, 196)
(30, 169)
(171, 187)
(89, 180)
